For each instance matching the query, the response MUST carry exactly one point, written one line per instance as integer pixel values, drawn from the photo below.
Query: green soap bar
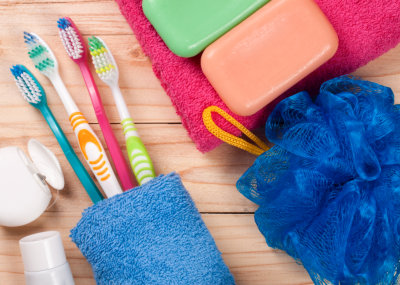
(189, 26)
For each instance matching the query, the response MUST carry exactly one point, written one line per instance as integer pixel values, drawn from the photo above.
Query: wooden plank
(385, 70)
(210, 178)
(101, 17)
(243, 248)
(142, 91)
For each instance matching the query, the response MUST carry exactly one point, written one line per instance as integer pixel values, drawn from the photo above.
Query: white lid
(47, 164)
(42, 251)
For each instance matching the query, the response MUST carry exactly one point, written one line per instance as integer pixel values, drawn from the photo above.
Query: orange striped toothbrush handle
(95, 155)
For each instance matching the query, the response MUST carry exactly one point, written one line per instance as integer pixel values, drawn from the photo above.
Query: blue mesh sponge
(152, 234)
(329, 190)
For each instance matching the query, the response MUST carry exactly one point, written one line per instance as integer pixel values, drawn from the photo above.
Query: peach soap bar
(268, 53)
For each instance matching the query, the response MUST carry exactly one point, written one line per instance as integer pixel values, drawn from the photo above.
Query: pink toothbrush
(75, 47)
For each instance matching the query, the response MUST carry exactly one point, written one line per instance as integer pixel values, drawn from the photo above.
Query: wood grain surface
(210, 178)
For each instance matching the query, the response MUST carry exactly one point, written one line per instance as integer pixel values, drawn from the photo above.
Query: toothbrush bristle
(63, 23)
(101, 59)
(29, 38)
(28, 87)
(70, 38)
(39, 54)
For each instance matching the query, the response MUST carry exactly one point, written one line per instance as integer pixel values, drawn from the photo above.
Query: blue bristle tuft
(16, 70)
(28, 85)
(29, 38)
(12, 71)
(63, 23)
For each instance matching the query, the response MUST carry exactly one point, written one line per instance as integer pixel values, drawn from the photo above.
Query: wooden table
(210, 178)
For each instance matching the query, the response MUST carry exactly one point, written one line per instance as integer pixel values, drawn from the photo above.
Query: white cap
(42, 251)
(47, 164)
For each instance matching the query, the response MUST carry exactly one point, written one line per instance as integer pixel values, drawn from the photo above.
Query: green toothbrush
(107, 70)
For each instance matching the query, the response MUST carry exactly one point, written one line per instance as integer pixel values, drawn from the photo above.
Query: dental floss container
(24, 193)
(44, 260)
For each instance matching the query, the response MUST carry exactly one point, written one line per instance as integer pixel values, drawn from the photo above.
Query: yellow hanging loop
(257, 149)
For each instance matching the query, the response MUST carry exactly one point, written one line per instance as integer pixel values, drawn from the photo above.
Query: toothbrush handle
(125, 175)
(138, 155)
(95, 155)
(89, 143)
(73, 159)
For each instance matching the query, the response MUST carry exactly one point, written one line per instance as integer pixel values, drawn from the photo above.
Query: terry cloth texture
(366, 29)
(152, 234)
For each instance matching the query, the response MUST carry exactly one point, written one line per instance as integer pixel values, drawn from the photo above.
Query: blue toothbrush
(34, 94)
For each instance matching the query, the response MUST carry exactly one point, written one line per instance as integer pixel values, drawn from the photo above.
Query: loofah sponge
(329, 190)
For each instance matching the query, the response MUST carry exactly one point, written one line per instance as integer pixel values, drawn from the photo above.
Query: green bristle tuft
(40, 54)
(37, 51)
(45, 64)
(94, 44)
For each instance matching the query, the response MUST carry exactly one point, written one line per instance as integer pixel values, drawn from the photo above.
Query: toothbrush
(34, 94)
(107, 70)
(89, 143)
(74, 45)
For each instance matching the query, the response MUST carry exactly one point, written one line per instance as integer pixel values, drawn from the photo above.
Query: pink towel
(366, 29)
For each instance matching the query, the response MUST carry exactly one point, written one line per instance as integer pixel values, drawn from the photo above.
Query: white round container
(24, 193)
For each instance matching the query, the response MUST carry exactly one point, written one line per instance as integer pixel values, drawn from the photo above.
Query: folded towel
(366, 29)
(152, 234)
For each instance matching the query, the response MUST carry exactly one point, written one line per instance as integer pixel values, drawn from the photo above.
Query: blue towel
(152, 234)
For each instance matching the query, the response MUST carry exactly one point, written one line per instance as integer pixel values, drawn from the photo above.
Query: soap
(189, 26)
(268, 53)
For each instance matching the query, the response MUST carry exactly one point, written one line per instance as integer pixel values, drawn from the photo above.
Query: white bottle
(44, 260)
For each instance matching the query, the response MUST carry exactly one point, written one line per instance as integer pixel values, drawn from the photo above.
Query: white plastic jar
(44, 260)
